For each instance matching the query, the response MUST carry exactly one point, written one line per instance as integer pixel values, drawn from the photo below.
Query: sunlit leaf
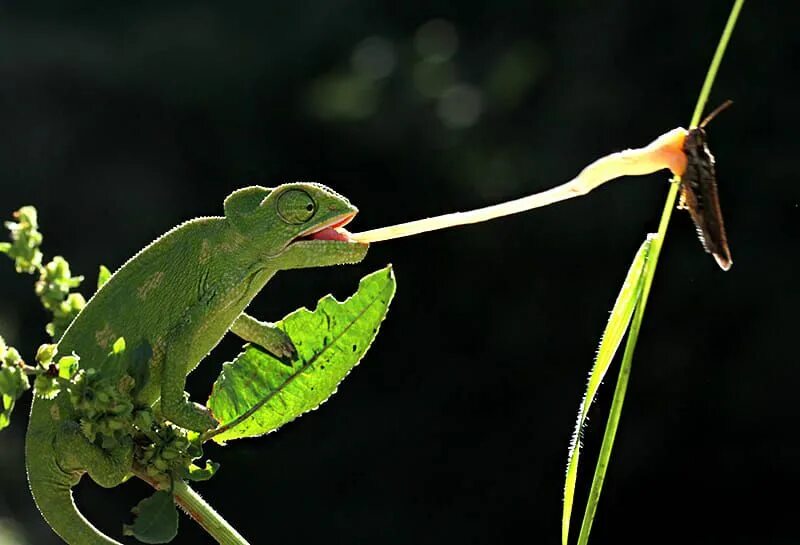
(103, 276)
(612, 337)
(257, 393)
(68, 366)
(197, 473)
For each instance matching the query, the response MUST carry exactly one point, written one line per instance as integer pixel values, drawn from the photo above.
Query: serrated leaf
(615, 330)
(156, 519)
(257, 393)
(46, 386)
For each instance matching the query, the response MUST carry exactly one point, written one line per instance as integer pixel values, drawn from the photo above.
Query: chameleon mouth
(331, 230)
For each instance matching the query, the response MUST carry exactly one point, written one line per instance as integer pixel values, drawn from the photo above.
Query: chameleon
(173, 302)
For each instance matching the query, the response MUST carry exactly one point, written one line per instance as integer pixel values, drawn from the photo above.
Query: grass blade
(616, 407)
(615, 330)
(647, 282)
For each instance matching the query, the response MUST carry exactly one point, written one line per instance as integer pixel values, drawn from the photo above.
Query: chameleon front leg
(265, 335)
(76, 453)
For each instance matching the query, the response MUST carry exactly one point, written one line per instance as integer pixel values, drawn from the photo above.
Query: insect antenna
(724, 106)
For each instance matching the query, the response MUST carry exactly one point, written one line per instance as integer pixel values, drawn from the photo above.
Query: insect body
(699, 192)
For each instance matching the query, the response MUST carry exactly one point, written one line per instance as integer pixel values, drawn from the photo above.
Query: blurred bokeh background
(120, 120)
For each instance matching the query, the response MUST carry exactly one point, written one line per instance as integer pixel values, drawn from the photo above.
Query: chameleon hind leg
(265, 335)
(175, 404)
(76, 453)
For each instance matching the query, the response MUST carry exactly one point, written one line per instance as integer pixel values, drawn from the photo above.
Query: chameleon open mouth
(332, 230)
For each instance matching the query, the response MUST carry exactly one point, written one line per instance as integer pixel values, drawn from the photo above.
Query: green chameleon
(173, 302)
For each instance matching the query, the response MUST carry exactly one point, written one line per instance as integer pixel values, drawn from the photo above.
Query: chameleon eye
(296, 206)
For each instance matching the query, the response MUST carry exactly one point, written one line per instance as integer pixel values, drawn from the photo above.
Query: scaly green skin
(173, 302)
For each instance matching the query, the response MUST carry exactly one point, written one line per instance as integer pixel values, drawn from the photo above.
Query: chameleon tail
(52, 488)
(55, 502)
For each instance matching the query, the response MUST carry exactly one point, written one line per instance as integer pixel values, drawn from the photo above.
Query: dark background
(120, 120)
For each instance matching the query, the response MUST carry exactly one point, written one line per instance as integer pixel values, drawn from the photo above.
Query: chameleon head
(296, 220)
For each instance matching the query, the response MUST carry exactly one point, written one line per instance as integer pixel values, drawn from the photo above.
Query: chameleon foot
(281, 345)
(190, 416)
(265, 335)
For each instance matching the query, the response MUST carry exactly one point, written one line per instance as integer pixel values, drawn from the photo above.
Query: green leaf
(156, 519)
(612, 337)
(196, 473)
(68, 366)
(103, 276)
(257, 393)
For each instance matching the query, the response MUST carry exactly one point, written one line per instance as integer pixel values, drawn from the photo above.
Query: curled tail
(52, 487)
(59, 509)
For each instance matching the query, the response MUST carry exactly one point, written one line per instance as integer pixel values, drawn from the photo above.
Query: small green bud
(45, 354)
(24, 248)
(13, 383)
(103, 276)
(115, 425)
(68, 366)
(12, 357)
(143, 420)
(119, 346)
(169, 454)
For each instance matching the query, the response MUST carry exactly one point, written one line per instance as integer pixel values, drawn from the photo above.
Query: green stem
(201, 512)
(649, 273)
(715, 62)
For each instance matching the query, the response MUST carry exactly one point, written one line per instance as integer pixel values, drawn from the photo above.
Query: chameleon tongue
(666, 151)
(334, 231)
(331, 233)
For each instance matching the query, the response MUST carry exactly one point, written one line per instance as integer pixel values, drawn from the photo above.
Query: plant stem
(647, 282)
(715, 62)
(201, 512)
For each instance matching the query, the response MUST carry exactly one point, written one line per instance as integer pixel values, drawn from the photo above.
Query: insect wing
(700, 196)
